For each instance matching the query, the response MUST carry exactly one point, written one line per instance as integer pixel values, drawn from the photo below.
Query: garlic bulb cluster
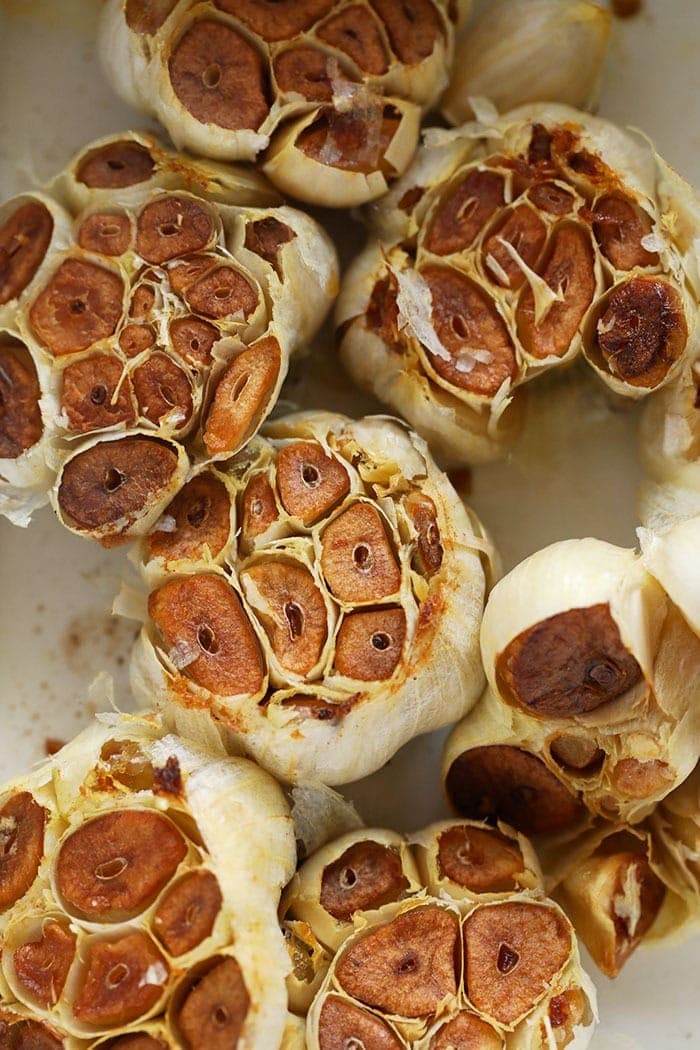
(320, 596)
(589, 730)
(512, 246)
(138, 901)
(327, 93)
(433, 940)
(148, 309)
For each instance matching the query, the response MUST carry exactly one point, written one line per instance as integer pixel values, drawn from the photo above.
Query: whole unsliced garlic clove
(138, 900)
(413, 966)
(520, 51)
(511, 246)
(585, 645)
(329, 95)
(324, 608)
(146, 322)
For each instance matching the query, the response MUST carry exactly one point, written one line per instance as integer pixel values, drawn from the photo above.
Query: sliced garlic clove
(341, 1020)
(523, 52)
(465, 1031)
(200, 523)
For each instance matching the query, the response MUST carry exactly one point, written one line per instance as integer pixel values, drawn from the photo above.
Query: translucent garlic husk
(356, 62)
(434, 996)
(674, 827)
(409, 663)
(202, 810)
(170, 290)
(513, 245)
(624, 886)
(585, 644)
(518, 52)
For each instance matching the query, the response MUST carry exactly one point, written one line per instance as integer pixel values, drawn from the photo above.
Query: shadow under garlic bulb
(138, 901)
(320, 597)
(327, 94)
(434, 940)
(148, 310)
(512, 246)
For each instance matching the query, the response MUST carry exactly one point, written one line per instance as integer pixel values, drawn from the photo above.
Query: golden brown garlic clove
(22, 822)
(265, 237)
(292, 611)
(96, 394)
(635, 778)
(105, 232)
(480, 355)
(369, 645)
(123, 980)
(513, 952)
(307, 72)
(163, 391)
(135, 1041)
(569, 664)
(277, 19)
(519, 233)
(41, 966)
(218, 76)
(201, 618)
(407, 966)
(116, 165)
(114, 482)
(24, 240)
(569, 271)
(21, 425)
(242, 396)
(115, 865)
(213, 1013)
(342, 1024)
(202, 515)
(429, 550)
(172, 226)
(311, 482)
(620, 227)
(23, 1033)
(78, 306)
(192, 339)
(358, 559)
(222, 292)
(186, 914)
(642, 331)
(355, 31)
(147, 17)
(464, 211)
(366, 876)
(479, 860)
(356, 140)
(413, 29)
(259, 510)
(500, 782)
(466, 1031)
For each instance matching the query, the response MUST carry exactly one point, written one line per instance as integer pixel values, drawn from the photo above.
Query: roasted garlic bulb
(511, 246)
(146, 322)
(320, 597)
(139, 883)
(594, 674)
(436, 940)
(327, 93)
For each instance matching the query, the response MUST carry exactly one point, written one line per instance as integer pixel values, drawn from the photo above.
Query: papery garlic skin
(162, 299)
(674, 828)
(518, 52)
(333, 92)
(671, 557)
(617, 721)
(127, 768)
(512, 245)
(358, 586)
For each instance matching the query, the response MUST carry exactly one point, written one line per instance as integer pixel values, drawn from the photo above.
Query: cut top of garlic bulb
(512, 245)
(320, 597)
(593, 667)
(146, 321)
(477, 958)
(332, 90)
(138, 895)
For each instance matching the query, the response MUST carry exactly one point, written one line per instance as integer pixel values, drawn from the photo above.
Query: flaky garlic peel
(139, 898)
(328, 94)
(148, 312)
(513, 245)
(320, 597)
